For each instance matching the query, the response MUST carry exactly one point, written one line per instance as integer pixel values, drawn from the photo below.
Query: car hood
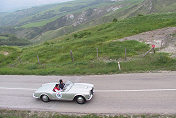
(81, 87)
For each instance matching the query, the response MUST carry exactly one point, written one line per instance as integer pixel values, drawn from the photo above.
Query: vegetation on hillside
(51, 21)
(54, 56)
(47, 12)
(55, 18)
(8, 55)
(11, 40)
(130, 8)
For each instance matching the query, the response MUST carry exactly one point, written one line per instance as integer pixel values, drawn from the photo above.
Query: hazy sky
(11, 5)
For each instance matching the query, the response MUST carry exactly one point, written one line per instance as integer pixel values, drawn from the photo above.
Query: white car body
(81, 92)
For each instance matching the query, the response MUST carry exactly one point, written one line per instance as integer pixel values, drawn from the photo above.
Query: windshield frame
(68, 86)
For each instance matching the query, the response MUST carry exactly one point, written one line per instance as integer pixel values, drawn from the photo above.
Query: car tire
(80, 100)
(45, 98)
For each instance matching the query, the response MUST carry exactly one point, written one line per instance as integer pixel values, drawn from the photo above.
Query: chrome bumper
(91, 94)
(34, 96)
(90, 97)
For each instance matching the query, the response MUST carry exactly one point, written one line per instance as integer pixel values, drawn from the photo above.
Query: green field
(54, 56)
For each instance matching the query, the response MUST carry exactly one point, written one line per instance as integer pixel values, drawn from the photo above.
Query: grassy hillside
(8, 55)
(54, 56)
(33, 23)
(143, 7)
(96, 20)
(157, 6)
(130, 8)
(11, 40)
(46, 13)
(51, 21)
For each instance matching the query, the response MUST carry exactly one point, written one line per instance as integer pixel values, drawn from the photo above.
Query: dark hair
(60, 81)
(56, 85)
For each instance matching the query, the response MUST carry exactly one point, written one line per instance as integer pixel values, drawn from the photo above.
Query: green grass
(39, 24)
(55, 57)
(12, 40)
(3, 37)
(13, 53)
(30, 114)
(164, 6)
(150, 63)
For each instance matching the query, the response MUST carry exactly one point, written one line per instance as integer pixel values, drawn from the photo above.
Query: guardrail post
(38, 59)
(119, 66)
(71, 54)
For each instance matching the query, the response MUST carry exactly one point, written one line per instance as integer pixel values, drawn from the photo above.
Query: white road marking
(101, 91)
(28, 89)
(141, 90)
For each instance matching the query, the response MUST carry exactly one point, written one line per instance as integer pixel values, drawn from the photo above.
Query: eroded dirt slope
(164, 39)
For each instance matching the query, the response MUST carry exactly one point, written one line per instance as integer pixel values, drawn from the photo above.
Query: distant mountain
(23, 16)
(31, 23)
(48, 22)
(14, 5)
(129, 8)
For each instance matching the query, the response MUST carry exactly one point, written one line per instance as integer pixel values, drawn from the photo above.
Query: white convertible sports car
(80, 92)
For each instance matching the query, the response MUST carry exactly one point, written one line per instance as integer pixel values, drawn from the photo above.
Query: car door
(64, 95)
(59, 95)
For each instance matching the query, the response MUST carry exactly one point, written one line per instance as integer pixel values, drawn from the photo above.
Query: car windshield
(68, 85)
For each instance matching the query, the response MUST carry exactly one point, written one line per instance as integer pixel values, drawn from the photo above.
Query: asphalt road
(114, 94)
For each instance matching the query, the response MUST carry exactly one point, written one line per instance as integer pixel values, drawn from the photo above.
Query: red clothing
(55, 89)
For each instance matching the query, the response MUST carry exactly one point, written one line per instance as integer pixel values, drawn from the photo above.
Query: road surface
(114, 94)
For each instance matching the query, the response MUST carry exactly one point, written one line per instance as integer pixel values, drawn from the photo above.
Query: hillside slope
(154, 6)
(130, 9)
(53, 57)
(43, 23)
(12, 40)
(31, 23)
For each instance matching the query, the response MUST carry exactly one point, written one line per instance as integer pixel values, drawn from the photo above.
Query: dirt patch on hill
(4, 53)
(164, 39)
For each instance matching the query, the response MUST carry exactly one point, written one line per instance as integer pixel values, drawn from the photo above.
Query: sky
(12, 5)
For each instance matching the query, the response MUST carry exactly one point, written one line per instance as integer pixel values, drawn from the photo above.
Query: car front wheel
(80, 100)
(45, 98)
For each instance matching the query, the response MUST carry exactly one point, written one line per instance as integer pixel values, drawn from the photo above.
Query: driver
(61, 85)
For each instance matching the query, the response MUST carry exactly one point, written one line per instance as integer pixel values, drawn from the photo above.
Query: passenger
(61, 85)
(56, 88)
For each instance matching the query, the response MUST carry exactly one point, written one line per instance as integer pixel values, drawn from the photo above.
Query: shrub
(114, 20)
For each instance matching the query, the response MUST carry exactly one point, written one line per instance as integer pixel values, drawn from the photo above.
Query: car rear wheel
(80, 100)
(45, 98)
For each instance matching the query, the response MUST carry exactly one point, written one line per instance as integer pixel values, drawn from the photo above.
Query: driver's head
(60, 81)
